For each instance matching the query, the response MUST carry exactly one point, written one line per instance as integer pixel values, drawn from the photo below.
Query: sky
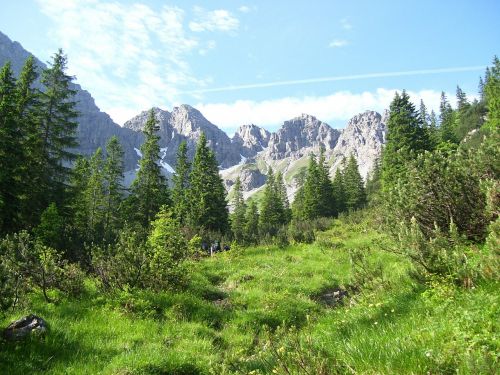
(261, 62)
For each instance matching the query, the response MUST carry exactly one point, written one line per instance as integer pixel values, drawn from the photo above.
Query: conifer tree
(58, 128)
(492, 95)
(406, 138)
(433, 130)
(283, 196)
(373, 183)
(181, 184)
(238, 215)
(355, 195)
(424, 117)
(325, 187)
(113, 188)
(272, 212)
(447, 121)
(311, 204)
(207, 195)
(11, 156)
(28, 118)
(252, 222)
(94, 198)
(149, 190)
(338, 193)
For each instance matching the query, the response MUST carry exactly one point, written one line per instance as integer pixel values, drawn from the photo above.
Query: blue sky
(261, 61)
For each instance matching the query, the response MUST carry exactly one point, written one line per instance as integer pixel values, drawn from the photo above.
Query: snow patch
(167, 166)
(138, 152)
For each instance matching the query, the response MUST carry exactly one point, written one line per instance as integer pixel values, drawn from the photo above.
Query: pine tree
(11, 156)
(325, 187)
(406, 138)
(283, 196)
(28, 118)
(492, 95)
(424, 117)
(272, 213)
(149, 190)
(373, 184)
(311, 193)
(338, 193)
(355, 195)
(50, 228)
(252, 222)
(207, 194)
(433, 131)
(79, 207)
(462, 103)
(181, 184)
(447, 121)
(238, 215)
(113, 188)
(58, 128)
(94, 198)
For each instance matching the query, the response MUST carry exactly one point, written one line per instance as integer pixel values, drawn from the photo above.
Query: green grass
(240, 304)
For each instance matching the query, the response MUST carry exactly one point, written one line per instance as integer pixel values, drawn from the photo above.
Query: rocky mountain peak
(300, 133)
(252, 139)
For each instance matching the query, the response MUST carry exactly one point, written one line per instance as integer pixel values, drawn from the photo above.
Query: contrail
(338, 78)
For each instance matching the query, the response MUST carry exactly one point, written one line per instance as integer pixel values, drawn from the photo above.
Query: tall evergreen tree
(338, 193)
(424, 116)
(272, 213)
(238, 215)
(406, 137)
(58, 128)
(181, 184)
(283, 196)
(373, 183)
(311, 203)
(113, 188)
(149, 190)
(11, 156)
(325, 187)
(207, 195)
(252, 222)
(492, 95)
(433, 130)
(28, 117)
(355, 194)
(447, 121)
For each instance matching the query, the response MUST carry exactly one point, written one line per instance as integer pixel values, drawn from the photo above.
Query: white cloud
(132, 56)
(335, 109)
(345, 24)
(244, 9)
(338, 43)
(215, 20)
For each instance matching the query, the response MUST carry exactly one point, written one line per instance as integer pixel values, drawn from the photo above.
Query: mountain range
(248, 154)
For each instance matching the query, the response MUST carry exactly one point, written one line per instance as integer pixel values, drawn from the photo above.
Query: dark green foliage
(492, 95)
(252, 222)
(207, 196)
(149, 190)
(11, 157)
(406, 138)
(58, 129)
(238, 216)
(447, 121)
(354, 189)
(180, 189)
(113, 189)
(272, 210)
(338, 190)
(374, 184)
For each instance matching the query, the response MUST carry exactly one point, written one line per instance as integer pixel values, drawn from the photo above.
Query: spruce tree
(181, 185)
(11, 156)
(58, 128)
(406, 138)
(355, 195)
(238, 215)
(283, 196)
(28, 118)
(424, 117)
(94, 198)
(338, 193)
(492, 95)
(149, 190)
(113, 188)
(207, 195)
(272, 213)
(447, 121)
(325, 187)
(252, 222)
(311, 194)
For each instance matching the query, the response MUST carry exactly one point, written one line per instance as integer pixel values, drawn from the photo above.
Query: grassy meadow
(270, 310)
